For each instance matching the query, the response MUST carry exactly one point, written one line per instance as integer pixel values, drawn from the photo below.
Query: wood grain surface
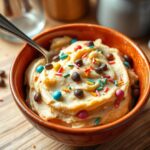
(16, 133)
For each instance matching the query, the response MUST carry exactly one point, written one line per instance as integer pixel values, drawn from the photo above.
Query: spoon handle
(8, 26)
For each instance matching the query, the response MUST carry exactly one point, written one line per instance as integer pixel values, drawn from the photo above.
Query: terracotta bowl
(82, 136)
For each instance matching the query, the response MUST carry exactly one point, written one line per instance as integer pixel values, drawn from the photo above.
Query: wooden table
(17, 133)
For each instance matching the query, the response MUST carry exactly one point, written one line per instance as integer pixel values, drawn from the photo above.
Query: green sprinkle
(66, 75)
(70, 88)
(104, 81)
(126, 64)
(116, 82)
(63, 56)
(97, 121)
(98, 50)
(91, 80)
(100, 82)
(100, 88)
(70, 65)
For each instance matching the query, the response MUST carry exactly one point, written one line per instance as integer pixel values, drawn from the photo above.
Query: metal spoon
(8, 26)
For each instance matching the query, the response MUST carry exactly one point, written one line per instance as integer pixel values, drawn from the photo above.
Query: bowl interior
(82, 32)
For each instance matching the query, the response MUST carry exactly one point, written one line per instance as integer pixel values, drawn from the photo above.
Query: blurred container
(131, 17)
(66, 10)
(27, 15)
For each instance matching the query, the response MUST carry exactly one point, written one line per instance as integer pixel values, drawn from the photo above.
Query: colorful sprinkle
(58, 74)
(83, 114)
(91, 46)
(70, 88)
(71, 66)
(63, 56)
(97, 93)
(40, 68)
(106, 89)
(66, 75)
(111, 62)
(128, 59)
(100, 88)
(97, 121)
(66, 90)
(36, 78)
(57, 95)
(93, 94)
(126, 64)
(78, 47)
(73, 40)
(61, 69)
(91, 80)
(98, 50)
(56, 66)
(84, 55)
(116, 82)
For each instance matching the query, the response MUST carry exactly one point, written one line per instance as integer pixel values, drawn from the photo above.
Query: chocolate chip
(2, 82)
(37, 97)
(101, 68)
(110, 57)
(128, 59)
(55, 58)
(48, 66)
(75, 76)
(2, 74)
(78, 93)
(79, 62)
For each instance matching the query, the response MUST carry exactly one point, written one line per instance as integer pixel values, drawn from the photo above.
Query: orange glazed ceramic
(81, 136)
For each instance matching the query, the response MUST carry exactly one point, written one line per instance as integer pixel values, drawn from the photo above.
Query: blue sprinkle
(63, 56)
(57, 95)
(126, 64)
(39, 69)
(73, 40)
(91, 46)
(97, 121)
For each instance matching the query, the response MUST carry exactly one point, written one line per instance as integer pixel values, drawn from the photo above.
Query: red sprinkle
(88, 70)
(78, 47)
(111, 80)
(82, 114)
(61, 69)
(106, 89)
(83, 56)
(58, 74)
(111, 62)
(106, 76)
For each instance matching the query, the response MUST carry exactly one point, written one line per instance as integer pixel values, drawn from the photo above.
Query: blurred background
(131, 17)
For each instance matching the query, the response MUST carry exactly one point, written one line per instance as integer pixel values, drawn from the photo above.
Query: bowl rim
(57, 127)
